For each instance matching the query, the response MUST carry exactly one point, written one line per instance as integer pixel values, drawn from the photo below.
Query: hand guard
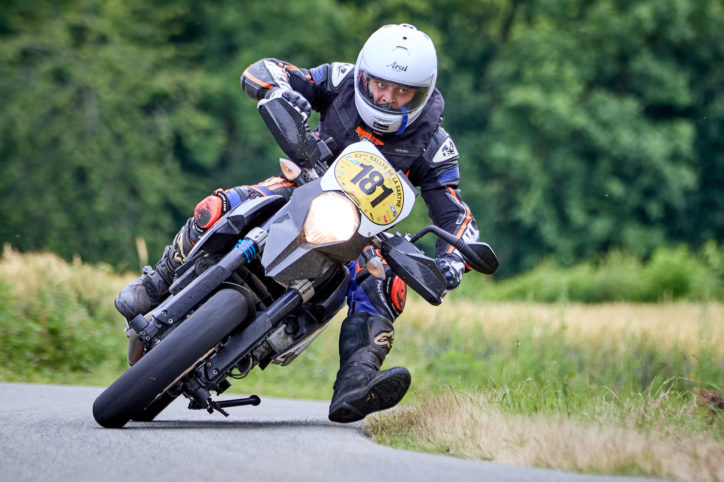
(453, 268)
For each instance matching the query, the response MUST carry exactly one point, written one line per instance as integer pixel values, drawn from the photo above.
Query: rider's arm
(438, 176)
(449, 212)
(318, 85)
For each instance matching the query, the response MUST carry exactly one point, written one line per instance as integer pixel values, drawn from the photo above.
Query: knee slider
(388, 296)
(210, 209)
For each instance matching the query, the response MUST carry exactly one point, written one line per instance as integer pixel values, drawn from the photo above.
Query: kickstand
(215, 406)
(218, 406)
(237, 402)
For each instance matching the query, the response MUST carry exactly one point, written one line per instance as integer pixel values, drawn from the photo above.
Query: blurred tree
(118, 118)
(582, 126)
(578, 123)
(86, 151)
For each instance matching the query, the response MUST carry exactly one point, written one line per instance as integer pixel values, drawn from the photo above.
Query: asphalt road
(47, 433)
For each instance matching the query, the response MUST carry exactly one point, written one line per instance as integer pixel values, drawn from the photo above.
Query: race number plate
(373, 184)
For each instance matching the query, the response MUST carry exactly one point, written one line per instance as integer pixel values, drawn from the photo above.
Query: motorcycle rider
(389, 98)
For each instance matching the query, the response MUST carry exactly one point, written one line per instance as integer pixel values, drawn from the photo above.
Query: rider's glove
(452, 267)
(297, 100)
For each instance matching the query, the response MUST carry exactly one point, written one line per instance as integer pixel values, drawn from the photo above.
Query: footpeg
(215, 406)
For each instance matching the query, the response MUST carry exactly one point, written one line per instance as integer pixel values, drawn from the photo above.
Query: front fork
(188, 294)
(213, 372)
(178, 305)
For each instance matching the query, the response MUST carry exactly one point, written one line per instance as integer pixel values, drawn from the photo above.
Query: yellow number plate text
(374, 185)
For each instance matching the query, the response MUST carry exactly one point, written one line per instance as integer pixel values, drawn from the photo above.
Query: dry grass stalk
(471, 427)
(690, 326)
(27, 274)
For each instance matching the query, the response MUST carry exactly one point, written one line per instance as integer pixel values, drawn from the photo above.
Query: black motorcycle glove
(452, 267)
(297, 100)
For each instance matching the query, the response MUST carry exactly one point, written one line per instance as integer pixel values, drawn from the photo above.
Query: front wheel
(140, 386)
(157, 406)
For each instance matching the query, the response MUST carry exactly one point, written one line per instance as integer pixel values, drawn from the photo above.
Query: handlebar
(479, 256)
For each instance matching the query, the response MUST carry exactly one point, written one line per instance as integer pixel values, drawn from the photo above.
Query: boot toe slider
(384, 390)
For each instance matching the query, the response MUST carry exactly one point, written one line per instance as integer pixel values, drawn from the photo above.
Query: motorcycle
(268, 277)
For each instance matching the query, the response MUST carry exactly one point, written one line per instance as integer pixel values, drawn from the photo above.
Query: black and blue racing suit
(424, 152)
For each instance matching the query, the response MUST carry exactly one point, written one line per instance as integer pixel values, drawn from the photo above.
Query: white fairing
(385, 197)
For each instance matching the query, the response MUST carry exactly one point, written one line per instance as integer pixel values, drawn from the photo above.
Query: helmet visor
(388, 96)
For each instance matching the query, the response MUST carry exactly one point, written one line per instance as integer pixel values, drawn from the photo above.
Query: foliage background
(584, 127)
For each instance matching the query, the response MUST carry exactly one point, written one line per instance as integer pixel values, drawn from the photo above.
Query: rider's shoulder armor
(438, 165)
(338, 71)
(329, 80)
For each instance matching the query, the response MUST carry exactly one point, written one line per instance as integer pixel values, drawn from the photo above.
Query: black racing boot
(147, 292)
(144, 294)
(361, 388)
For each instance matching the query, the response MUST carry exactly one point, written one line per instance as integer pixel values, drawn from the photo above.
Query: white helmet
(398, 54)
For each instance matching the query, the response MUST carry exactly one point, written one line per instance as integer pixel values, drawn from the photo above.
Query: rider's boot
(144, 294)
(361, 388)
(147, 292)
(141, 296)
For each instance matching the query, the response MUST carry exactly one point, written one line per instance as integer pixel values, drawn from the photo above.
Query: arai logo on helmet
(397, 67)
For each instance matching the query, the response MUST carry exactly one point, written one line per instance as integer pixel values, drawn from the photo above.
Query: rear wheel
(134, 394)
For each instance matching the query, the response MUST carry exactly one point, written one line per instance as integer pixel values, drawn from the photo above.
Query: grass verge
(629, 437)
(616, 388)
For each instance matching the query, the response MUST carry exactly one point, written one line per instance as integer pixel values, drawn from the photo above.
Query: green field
(625, 388)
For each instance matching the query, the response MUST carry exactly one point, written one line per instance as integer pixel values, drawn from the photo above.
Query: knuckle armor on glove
(297, 100)
(453, 268)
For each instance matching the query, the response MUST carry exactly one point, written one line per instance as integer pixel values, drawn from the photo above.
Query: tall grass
(552, 347)
(631, 437)
(607, 388)
(57, 321)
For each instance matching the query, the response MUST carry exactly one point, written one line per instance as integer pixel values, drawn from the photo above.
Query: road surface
(47, 432)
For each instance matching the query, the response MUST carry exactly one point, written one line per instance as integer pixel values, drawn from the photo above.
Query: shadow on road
(238, 425)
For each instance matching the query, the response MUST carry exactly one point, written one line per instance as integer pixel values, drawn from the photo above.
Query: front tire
(129, 396)
(157, 406)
